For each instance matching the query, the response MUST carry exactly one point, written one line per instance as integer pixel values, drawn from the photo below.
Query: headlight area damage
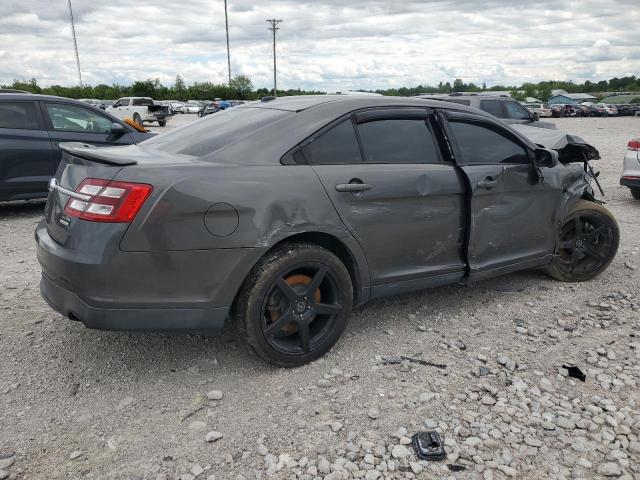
(570, 148)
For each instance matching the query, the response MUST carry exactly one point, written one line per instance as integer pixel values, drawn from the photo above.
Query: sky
(322, 45)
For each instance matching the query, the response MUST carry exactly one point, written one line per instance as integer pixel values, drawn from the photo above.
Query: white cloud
(322, 45)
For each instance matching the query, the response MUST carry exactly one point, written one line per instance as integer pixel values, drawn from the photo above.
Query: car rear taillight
(634, 145)
(108, 201)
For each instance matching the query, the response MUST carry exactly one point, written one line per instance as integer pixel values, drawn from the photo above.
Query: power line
(226, 23)
(75, 43)
(274, 28)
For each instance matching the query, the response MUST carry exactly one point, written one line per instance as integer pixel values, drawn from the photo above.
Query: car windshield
(209, 134)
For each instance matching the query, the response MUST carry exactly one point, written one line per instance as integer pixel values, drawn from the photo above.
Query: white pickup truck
(140, 109)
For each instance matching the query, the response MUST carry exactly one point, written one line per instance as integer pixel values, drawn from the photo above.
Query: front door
(73, 123)
(513, 215)
(26, 158)
(395, 194)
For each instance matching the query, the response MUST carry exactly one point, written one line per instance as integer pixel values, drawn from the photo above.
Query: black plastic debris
(398, 360)
(575, 372)
(428, 446)
(454, 467)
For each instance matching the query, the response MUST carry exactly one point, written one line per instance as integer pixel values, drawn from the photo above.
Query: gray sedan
(281, 215)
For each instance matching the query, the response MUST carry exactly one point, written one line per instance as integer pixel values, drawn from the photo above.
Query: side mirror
(118, 129)
(546, 158)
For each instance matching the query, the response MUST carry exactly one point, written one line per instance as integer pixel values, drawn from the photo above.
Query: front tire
(588, 242)
(635, 192)
(294, 305)
(137, 119)
(162, 123)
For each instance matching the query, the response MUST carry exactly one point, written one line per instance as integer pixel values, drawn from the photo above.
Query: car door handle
(487, 183)
(353, 187)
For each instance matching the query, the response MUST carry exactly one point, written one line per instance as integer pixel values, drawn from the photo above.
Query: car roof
(352, 102)
(37, 96)
(483, 96)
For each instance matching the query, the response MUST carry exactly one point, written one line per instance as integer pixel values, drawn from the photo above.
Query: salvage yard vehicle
(140, 110)
(504, 107)
(631, 169)
(31, 128)
(281, 215)
(540, 109)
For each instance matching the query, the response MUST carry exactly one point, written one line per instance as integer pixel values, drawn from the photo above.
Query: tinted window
(516, 111)
(207, 135)
(397, 141)
(142, 101)
(71, 118)
(492, 107)
(482, 146)
(123, 102)
(338, 145)
(18, 115)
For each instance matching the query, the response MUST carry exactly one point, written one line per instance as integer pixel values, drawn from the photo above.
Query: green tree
(242, 86)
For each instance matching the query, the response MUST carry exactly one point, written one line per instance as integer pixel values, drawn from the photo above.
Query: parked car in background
(177, 107)
(582, 110)
(625, 110)
(609, 109)
(631, 168)
(140, 110)
(192, 107)
(202, 223)
(208, 109)
(597, 111)
(31, 128)
(503, 107)
(541, 109)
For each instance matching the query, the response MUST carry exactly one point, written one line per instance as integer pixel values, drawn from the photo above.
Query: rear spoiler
(107, 155)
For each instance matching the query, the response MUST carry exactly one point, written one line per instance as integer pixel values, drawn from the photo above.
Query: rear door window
(20, 115)
(516, 111)
(481, 145)
(146, 102)
(338, 145)
(406, 140)
(71, 118)
(493, 107)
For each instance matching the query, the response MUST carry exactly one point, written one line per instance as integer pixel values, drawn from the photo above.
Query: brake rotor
(298, 279)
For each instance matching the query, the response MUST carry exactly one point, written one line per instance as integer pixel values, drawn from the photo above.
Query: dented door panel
(410, 223)
(515, 220)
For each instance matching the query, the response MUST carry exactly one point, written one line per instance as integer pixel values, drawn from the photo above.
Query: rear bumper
(105, 288)
(71, 306)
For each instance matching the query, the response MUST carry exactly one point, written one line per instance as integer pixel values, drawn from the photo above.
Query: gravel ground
(77, 403)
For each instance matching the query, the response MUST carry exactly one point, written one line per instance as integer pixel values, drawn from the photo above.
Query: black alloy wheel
(301, 309)
(588, 242)
(294, 305)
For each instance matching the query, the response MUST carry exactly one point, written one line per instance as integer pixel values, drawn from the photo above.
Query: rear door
(26, 154)
(386, 177)
(68, 122)
(513, 216)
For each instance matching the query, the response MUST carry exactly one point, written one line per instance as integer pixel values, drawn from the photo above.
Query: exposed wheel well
(335, 246)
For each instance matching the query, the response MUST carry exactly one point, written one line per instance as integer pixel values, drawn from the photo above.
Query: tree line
(241, 88)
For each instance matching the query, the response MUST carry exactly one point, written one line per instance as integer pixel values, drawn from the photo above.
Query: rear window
(21, 115)
(213, 132)
(142, 102)
(492, 107)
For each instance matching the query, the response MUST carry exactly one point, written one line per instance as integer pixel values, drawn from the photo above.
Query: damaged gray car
(280, 216)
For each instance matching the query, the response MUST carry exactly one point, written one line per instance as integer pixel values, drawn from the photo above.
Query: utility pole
(226, 22)
(75, 42)
(274, 28)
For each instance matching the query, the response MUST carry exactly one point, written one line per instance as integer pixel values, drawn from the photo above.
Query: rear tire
(294, 305)
(635, 192)
(588, 242)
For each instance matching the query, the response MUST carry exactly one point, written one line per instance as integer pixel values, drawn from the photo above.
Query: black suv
(32, 126)
(501, 106)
